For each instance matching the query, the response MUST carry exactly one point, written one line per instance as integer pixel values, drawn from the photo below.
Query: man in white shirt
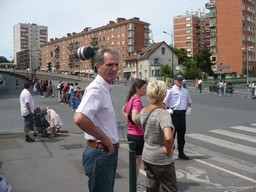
(96, 117)
(179, 103)
(27, 108)
(200, 85)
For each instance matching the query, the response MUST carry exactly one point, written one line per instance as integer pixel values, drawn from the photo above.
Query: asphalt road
(221, 136)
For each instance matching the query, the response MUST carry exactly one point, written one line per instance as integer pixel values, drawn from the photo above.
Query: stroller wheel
(35, 134)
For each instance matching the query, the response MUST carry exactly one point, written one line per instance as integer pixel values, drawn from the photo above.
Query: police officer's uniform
(177, 100)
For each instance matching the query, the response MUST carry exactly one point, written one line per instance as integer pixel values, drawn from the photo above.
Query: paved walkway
(52, 165)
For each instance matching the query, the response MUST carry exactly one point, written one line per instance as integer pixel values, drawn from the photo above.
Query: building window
(188, 25)
(156, 61)
(157, 73)
(188, 19)
(163, 50)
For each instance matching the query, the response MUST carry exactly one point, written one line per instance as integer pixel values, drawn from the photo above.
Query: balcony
(212, 25)
(210, 5)
(212, 34)
(146, 36)
(213, 44)
(212, 14)
(131, 42)
(131, 35)
(130, 49)
(131, 27)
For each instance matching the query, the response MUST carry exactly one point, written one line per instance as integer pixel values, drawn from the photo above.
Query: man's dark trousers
(179, 122)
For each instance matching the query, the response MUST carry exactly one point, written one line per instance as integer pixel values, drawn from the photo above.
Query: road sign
(223, 66)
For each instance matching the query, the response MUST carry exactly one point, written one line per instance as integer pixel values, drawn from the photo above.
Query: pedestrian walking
(197, 82)
(179, 103)
(131, 109)
(224, 88)
(27, 107)
(16, 83)
(221, 88)
(200, 85)
(251, 87)
(59, 89)
(64, 93)
(96, 117)
(158, 158)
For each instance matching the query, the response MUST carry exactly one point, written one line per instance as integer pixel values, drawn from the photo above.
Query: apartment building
(28, 37)
(191, 31)
(125, 35)
(232, 35)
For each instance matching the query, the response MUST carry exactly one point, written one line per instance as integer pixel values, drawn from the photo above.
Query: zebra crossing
(236, 144)
(233, 147)
(241, 139)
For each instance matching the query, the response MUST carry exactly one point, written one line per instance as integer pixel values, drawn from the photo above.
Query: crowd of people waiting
(67, 94)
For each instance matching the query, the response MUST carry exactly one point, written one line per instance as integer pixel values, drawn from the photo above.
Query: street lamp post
(247, 63)
(172, 48)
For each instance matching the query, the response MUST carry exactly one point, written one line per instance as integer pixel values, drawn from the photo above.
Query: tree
(4, 60)
(204, 61)
(166, 71)
(182, 56)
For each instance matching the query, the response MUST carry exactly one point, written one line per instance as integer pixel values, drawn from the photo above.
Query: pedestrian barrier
(243, 96)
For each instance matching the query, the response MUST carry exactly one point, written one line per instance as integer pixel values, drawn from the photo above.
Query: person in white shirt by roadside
(27, 108)
(96, 117)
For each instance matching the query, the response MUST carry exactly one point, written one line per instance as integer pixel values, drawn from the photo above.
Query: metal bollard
(132, 166)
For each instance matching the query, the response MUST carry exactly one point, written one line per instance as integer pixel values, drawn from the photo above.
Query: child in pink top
(131, 109)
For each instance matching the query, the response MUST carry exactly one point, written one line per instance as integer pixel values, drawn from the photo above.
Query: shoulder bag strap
(131, 106)
(145, 122)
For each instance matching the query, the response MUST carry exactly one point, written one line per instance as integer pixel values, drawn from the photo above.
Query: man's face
(178, 82)
(109, 69)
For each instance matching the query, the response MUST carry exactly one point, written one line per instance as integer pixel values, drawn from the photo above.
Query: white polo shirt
(177, 98)
(97, 106)
(26, 97)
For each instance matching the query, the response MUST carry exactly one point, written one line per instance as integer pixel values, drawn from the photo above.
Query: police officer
(178, 103)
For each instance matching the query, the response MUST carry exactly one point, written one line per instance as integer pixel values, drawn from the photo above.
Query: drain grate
(73, 146)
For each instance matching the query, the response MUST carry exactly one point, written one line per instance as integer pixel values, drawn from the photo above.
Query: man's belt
(99, 145)
(179, 111)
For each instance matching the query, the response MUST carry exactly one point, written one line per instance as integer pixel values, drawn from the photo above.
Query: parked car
(215, 87)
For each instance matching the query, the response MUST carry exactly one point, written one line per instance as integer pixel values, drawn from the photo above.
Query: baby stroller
(41, 122)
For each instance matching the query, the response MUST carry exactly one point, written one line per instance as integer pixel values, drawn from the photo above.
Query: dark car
(215, 87)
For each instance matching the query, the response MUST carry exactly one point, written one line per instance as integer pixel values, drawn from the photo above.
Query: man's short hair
(99, 57)
(27, 85)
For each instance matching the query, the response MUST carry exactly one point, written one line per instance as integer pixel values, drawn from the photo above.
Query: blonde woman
(157, 153)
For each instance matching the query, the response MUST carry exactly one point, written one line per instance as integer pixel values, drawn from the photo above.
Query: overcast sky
(65, 16)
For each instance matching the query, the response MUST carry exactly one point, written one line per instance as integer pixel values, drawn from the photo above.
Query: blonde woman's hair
(156, 91)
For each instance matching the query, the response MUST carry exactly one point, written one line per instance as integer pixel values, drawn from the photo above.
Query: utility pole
(171, 49)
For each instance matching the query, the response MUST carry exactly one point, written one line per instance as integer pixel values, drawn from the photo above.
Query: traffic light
(49, 66)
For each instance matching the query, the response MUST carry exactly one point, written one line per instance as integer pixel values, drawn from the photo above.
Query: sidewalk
(52, 165)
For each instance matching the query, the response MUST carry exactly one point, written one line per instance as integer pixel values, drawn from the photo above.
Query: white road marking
(223, 143)
(197, 151)
(235, 135)
(227, 171)
(244, 128)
